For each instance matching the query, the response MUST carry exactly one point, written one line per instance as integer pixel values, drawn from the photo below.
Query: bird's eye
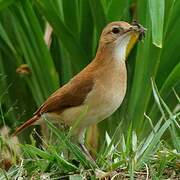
(115, 30)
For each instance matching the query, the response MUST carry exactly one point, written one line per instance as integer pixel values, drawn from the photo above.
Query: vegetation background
(35, 59)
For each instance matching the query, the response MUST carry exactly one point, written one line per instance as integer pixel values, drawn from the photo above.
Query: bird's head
(120, 37)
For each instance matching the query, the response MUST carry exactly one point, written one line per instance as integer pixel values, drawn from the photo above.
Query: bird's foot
(87, 154)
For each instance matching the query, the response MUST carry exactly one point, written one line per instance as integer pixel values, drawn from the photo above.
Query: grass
(140, 140)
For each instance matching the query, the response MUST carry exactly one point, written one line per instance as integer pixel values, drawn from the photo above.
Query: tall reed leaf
(116, 9)
(5, 3)
(98, 14)
(156, 8)
(68, 39)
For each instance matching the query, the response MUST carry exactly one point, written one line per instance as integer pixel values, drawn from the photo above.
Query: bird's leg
(83, 147)
(86, 152)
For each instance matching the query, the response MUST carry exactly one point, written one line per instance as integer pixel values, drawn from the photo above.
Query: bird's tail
(26, 124)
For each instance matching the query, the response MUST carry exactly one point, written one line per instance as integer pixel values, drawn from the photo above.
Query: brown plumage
(100, 87)
(70, 95)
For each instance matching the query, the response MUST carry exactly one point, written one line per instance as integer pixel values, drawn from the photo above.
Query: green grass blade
(114, 137)
(5, 37)
(75, 177)
(71, 147)
(71, 15)
(37, 152)
(67, 38)
(5, 3)
(172, 117)
(171, 81)
(62, 162)
(116, 9)
(86, 28)
(156, 10)
(134, 141)
(50, 157)
(152, 147)
(98, 14)
(148, 140)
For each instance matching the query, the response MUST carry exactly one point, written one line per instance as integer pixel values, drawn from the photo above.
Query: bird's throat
(124, 46)
(120, 48)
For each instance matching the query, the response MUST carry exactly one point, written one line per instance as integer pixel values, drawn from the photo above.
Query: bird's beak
(137, 32)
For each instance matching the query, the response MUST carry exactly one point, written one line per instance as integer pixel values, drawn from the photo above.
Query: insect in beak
(139, 28)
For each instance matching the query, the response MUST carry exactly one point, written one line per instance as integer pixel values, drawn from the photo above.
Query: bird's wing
(72, 94)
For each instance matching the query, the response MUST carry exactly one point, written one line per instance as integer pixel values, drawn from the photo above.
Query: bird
(99, 89)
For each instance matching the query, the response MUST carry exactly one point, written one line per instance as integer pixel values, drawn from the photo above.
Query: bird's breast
(107, 93)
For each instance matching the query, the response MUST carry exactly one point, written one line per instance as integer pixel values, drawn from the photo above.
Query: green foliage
(157, 19)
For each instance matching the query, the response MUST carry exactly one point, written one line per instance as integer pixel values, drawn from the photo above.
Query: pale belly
(98, 105)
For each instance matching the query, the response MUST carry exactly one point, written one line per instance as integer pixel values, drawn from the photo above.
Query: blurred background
(45, 43)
